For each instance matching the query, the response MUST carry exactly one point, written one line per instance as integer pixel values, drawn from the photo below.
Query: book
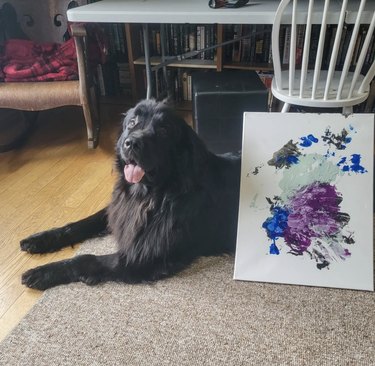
(267, 43)
(259, 44)
(286, 48)
(314, 40)
(299, 43)
(236, 50)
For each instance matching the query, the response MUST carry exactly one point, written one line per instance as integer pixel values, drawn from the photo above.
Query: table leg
(147, 60)
(162, 43)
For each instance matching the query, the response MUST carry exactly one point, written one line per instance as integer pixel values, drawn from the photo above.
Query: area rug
(200, 317)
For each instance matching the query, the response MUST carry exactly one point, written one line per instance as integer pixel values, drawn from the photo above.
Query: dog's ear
(124, 115)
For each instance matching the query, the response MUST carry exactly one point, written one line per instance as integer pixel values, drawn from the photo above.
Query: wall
(37, 18)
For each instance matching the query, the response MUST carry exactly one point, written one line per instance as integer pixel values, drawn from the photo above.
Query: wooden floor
(53, 179)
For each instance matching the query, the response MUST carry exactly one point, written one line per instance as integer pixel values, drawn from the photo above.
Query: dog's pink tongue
(133, 173)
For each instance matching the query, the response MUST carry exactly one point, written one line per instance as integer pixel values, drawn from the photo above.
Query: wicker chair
(38, 96)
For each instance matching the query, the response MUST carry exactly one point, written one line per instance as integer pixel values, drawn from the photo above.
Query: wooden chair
(38, 96)
(337, 86)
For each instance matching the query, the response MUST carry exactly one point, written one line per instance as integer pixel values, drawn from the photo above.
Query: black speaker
(219, 101)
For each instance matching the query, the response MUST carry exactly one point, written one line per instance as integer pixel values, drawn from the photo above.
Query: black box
(219, 100)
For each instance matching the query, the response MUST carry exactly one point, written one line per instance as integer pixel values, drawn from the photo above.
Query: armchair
(43, 95)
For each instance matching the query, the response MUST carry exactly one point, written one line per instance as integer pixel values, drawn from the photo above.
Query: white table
(198, 12)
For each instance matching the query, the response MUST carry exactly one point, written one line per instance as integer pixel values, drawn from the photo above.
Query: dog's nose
(128, 143)
(131, 142)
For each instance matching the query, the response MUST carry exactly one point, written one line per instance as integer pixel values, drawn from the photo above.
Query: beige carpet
(201, 317)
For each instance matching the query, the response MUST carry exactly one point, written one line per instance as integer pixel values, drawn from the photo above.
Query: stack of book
(181, 38)
(178, 84)
(254, 49)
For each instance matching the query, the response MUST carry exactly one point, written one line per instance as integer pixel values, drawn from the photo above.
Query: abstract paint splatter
(256, 169)
(286, 156)
(338, 140)
(307, 219)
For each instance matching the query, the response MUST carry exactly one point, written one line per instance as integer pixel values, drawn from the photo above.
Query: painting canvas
(306, 200)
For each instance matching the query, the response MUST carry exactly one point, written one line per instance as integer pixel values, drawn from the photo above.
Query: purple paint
(347, 253)
(314, 212)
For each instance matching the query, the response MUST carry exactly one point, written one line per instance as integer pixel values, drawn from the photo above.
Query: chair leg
(347, 110)
(91, 113)
(285, 108)
(89, 127)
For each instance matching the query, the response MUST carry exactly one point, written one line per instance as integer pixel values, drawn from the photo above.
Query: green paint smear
(310, 168)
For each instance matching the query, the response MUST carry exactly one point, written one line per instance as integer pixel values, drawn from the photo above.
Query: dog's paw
(39, 243)
(90, 280)
(30, 245)
(39, 278)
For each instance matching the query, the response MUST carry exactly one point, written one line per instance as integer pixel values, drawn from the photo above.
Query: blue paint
(308, 140)
(343, 164)
(351, 128)
(345, 168)
(313, 138)
(355, 165)
(342, 161)
(274, 249)
(291, 159)
(275, 226)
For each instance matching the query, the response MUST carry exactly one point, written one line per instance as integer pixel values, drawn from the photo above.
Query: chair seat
(318, 101)
(36, 96)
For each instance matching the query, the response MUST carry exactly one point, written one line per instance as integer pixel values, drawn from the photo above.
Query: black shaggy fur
(184, 206)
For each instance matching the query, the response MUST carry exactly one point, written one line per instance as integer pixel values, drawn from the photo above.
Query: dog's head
(155, 144)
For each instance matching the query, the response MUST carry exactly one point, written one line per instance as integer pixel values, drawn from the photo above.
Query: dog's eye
(132, 122)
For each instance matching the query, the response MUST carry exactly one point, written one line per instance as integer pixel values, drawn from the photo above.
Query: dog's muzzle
(130, 148)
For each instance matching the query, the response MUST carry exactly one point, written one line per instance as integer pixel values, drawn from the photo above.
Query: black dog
(173, 201)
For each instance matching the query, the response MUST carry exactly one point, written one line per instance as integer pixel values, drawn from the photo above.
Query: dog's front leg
(55, 239)
(90, 269)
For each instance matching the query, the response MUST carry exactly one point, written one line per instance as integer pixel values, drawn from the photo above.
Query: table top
(198, 12)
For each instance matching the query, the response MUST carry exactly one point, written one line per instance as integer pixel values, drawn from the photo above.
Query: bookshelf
(113, 73)
(253, 53)
(216, 60)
